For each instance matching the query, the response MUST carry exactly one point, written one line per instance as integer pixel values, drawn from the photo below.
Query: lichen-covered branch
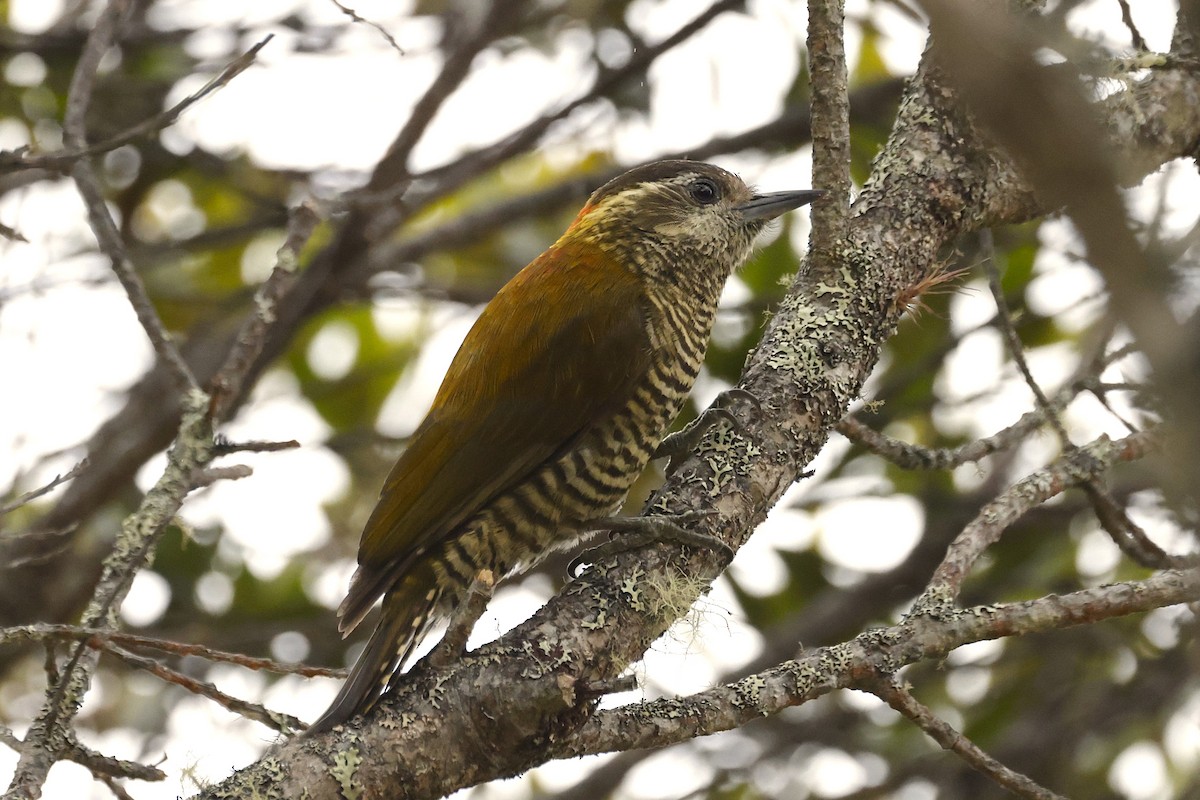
(50, 734)
(1075, 468)
(859, 662)
(828, 79)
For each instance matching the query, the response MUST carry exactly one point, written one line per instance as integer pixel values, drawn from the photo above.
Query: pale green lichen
(748, 691)
(936, 603)
(806, 676)
(722, 472)
(597, 622)
(238, 789)
(549, 656)
(836, 659)
(437, 690)
(631, 589)
(727, 454)
(345, 765)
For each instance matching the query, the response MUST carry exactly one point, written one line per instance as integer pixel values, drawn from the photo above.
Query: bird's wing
(560, 347)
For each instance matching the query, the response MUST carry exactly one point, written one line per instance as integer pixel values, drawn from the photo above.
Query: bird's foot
(453, 645)
(685, 441)
(641, 531)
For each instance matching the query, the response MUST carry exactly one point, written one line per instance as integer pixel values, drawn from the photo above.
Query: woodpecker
(557, 399)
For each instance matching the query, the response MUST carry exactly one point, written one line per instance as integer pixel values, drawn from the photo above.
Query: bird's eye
(704, 191)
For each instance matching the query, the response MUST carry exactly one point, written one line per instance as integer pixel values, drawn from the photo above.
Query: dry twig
(22, 158)
(893, 692)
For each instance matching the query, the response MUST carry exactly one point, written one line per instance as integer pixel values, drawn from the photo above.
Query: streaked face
(681, 211)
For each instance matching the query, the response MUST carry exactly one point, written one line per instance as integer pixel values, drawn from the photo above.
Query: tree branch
(1074, 468)
(856, 663)
(34, 494)
(828, 79)
(99, 639)
(228, 383)
(893, 692)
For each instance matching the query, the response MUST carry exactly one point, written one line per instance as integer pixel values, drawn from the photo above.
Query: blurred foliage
(1059, 707)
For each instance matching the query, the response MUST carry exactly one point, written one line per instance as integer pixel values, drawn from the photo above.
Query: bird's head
(680, 221)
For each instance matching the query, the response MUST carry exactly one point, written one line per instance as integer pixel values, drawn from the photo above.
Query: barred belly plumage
(588, 482)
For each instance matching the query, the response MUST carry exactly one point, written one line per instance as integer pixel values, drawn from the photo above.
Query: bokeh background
(258, 565)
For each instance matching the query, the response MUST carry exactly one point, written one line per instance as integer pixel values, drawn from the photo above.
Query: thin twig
(1071, 469)
(45, 549)
(896, 695)
(14, 160)
(109, 238)
(1004, 322)
(353, 15)
(98, 638)
(34, 494)
(1128, 535)
(272, 719)
(914, 456)
(117, 789)
(1135, 35)
(83, 79)
(210, 475)
(224, 447)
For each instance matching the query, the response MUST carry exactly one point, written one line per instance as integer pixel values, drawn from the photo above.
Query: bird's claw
(641, 531)
(685, 441)
(738, 393)
(470, 608)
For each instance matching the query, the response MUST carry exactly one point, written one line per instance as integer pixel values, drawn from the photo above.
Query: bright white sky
(304, 110)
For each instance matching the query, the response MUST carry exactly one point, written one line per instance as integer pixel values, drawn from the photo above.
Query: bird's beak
(772, 204)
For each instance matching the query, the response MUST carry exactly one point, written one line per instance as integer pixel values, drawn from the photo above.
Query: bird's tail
(408, 610)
